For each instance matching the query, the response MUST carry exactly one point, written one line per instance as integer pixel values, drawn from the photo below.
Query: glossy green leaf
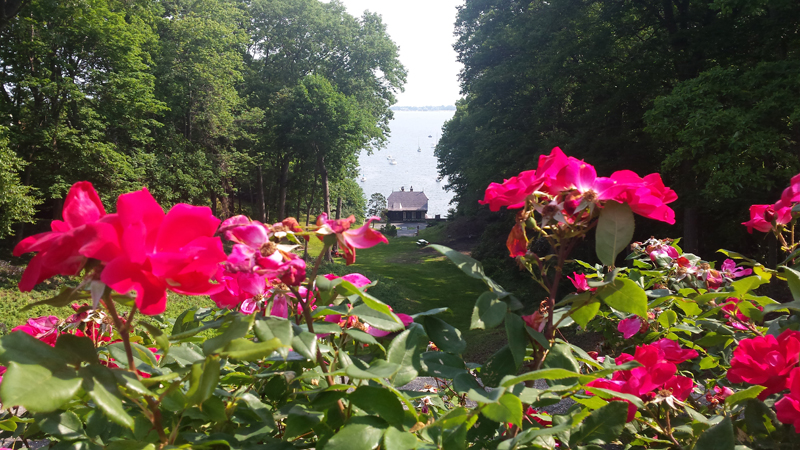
(718, 437)
(626, 296)
(395, 439)
(378, 369)
(364, 338)
(443, 365)
(499, 365)
(793, 279)
(614, 231)
(203, 380)
(65, 425)
(541, 374)
(64, 298)
(602, 426)
(37, 388)
(471, 267)
(488, 312)
(667, 318)
(184, 355)
(305, 343)
(745, 394)
(370, 301)
(238, 326)
(379, 401)
(508, 409)
(158, 335)
(405, 351)
(23, 348)
(76, 349)
(376, 318)
(444, 335)
(246, 350)
(583, 312)
(362, 433)
(101, 385)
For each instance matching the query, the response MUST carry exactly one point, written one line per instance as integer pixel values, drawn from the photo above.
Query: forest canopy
(705, 92)
(260, 106)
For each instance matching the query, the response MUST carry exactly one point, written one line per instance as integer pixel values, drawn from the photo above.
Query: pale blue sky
(423, 29)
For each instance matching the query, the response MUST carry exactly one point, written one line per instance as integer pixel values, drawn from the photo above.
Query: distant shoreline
(424, 108)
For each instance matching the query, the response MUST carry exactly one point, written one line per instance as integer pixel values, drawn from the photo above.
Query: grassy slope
(423, 279)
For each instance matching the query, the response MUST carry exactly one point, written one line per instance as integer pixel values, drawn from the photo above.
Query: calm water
(410, 129)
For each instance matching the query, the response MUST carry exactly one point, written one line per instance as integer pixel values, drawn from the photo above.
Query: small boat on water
(430, 136)
(363, 179)
(389, 157)
(393, 162)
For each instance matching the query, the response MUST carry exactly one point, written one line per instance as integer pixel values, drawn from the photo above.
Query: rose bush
(695, 355)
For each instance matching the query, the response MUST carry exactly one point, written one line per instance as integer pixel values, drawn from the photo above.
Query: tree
(377, 206)
(17, 200)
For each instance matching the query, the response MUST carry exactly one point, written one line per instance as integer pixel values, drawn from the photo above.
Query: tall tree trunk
(262, 208)
(214, 203)
(252, 198)
(283, 187)
(58, 206)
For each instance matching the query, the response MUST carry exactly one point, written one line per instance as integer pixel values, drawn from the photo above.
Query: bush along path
(295, 357)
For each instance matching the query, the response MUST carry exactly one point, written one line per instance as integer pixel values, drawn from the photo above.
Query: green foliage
(17, 200)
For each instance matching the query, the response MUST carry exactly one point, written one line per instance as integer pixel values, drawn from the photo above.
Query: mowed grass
(422, 279)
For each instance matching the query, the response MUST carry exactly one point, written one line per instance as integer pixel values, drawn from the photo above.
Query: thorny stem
(667, 429)
(153, 405)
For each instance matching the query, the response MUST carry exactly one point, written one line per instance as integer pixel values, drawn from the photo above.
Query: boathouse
(407, 206)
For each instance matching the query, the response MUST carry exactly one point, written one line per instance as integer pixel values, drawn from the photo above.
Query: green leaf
(793, 279)
(101, 385)
(379, 401)
(602, 426)
(378, 369)
(272, 327)
(445, 365)
(376, 318)
(247, 350)
(158, 336)
(541, 374)
(488, 312)
(498, 366)
(614, 231)
(444, 335)
(517, 337)
(508, 409)
(77, 349)
(718, 437)
(362, 433)
(305, 343)
(626, 296)
(238, 326)
(746, 394)
(471, 267)
(404, 351)
(584, 312)
(37, 388)
(667, 318)
(395, 439)
(23, 348)
(371, 302)
(184, 355)
(65, 425)
(203, 380)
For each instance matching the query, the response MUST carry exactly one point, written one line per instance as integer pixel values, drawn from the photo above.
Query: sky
(423, 29)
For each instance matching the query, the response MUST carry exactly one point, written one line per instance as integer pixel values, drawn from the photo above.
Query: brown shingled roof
(407, 201)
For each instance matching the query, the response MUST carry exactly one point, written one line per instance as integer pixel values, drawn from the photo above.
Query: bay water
(410, 130)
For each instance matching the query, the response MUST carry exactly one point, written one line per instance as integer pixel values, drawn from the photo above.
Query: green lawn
(423, 279)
